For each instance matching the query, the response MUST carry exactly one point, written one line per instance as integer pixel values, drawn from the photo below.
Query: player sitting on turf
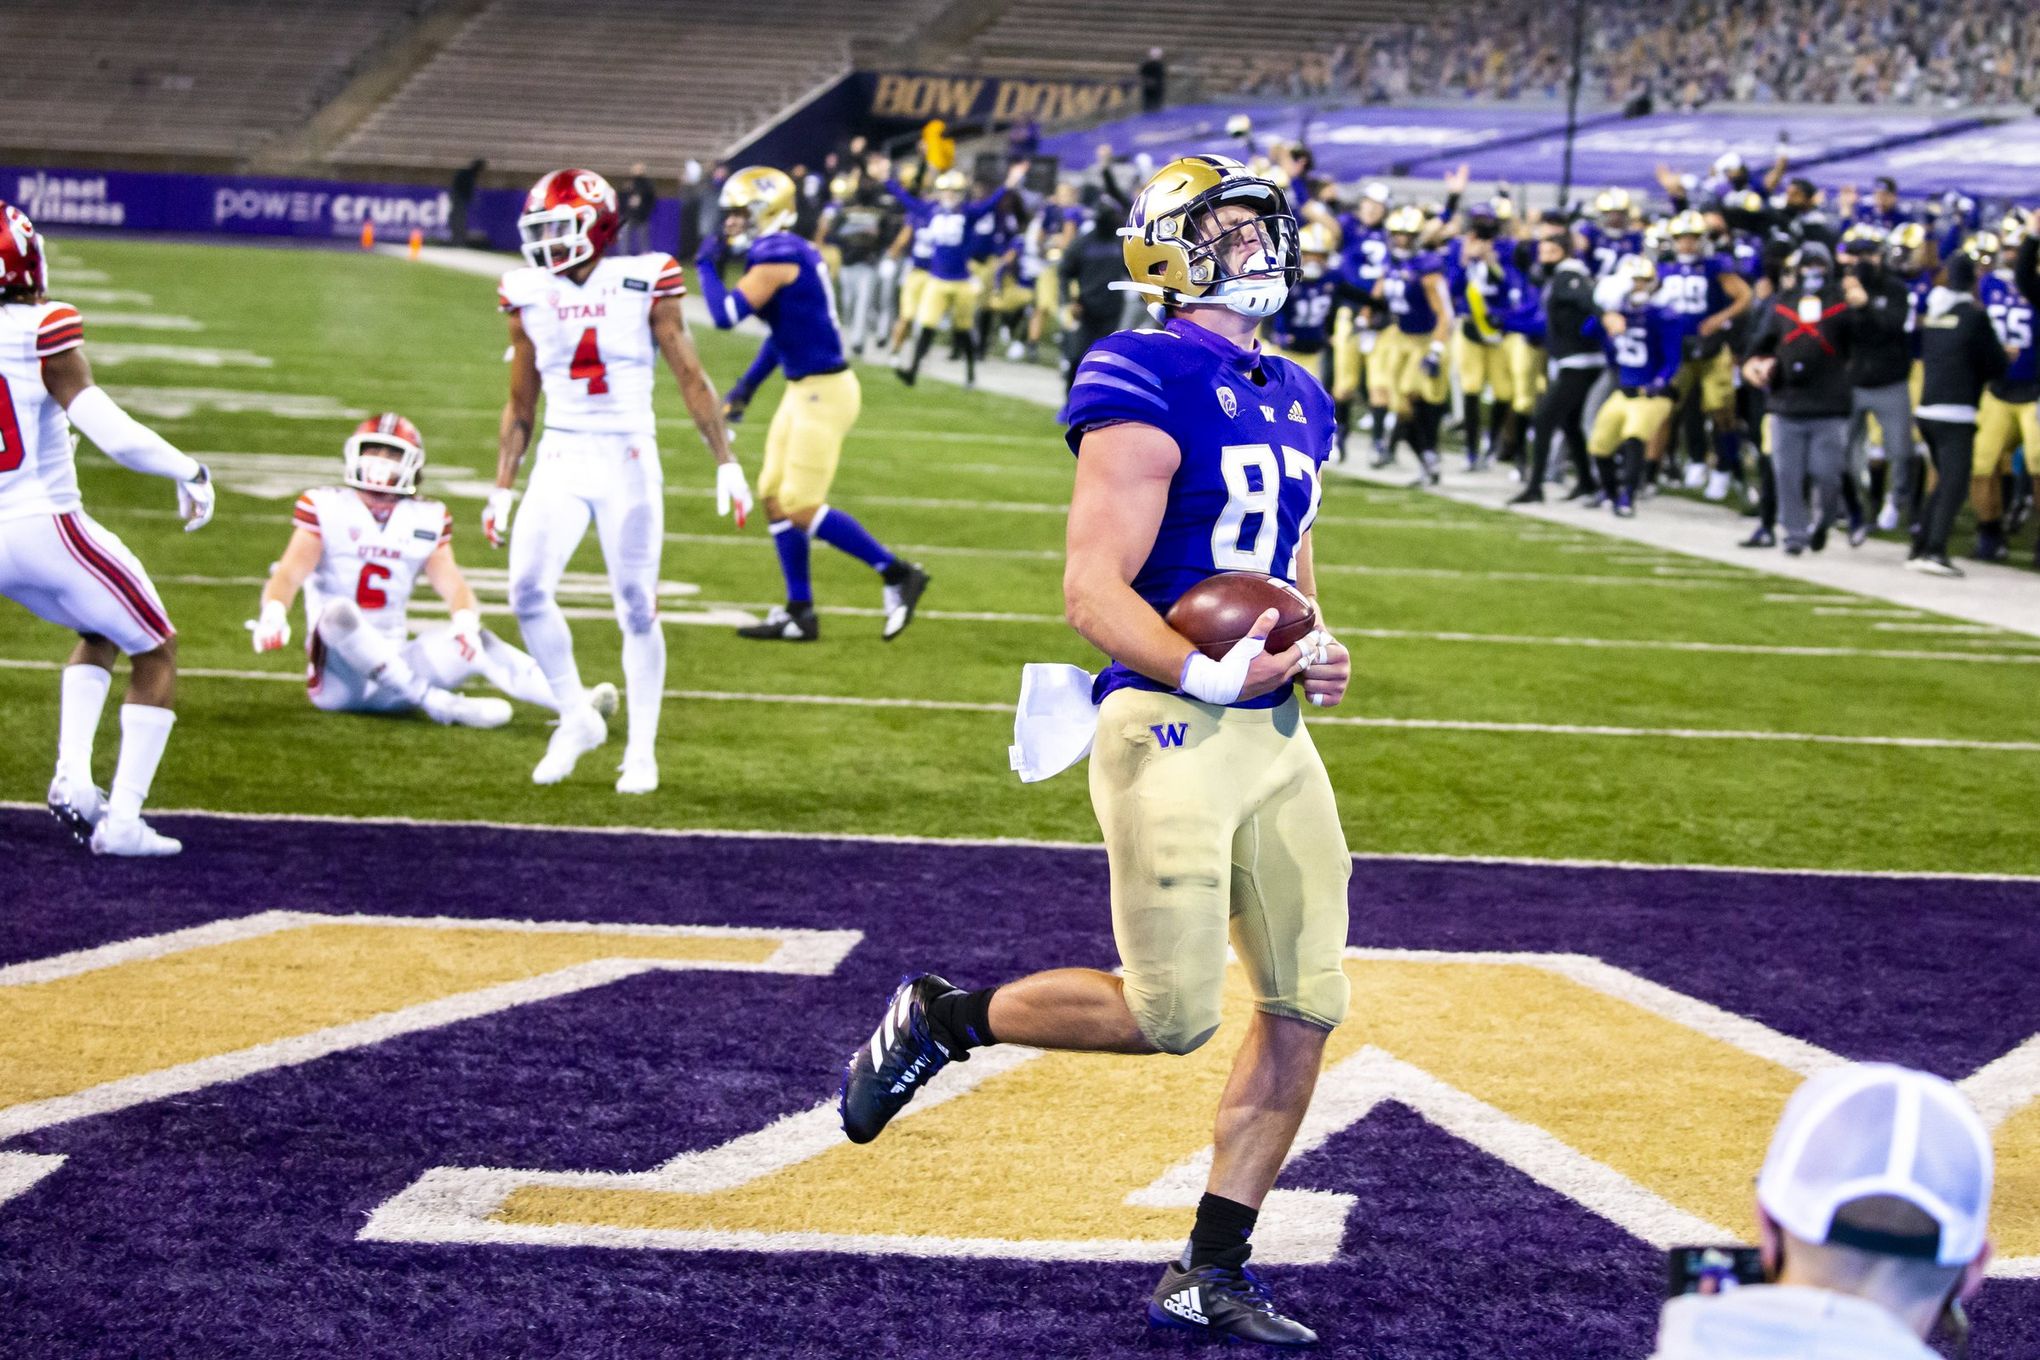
(358, 551)
(786, 285)
(1196, 455)
(63, 566)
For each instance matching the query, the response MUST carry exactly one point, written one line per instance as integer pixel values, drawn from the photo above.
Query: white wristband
(467, 621)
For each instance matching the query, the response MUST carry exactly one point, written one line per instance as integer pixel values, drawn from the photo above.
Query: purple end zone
(224, 1223)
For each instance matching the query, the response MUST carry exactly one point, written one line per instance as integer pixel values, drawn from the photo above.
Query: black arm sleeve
(1986, 352)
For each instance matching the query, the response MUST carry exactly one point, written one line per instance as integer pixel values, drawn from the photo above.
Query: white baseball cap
(1880, 1129)
(1377, 191)
(1727, 163)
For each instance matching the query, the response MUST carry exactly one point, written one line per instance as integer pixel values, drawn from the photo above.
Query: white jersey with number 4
(37, 474)
(374, 563)
(596, 356)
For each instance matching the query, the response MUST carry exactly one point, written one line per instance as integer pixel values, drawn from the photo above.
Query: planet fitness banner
(219, 203)
(238, 205)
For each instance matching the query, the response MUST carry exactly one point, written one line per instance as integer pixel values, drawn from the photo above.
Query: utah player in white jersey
(588, 329)
(61, 565)
(357, 551)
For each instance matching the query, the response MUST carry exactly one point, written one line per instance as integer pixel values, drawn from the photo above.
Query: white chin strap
(1259, 296)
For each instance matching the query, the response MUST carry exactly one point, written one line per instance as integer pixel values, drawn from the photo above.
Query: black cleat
(1817, 540)
(904, 585)
(1762, 538)
(896, 1062)
(793, 623)
(1528, 496)
(1220, 1301)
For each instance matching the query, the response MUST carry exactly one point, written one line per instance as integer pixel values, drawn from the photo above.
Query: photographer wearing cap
(1870, 1209)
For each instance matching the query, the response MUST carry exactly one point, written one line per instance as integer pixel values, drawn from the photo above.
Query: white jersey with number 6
(374, 563)
(37, 475)
(596, 356)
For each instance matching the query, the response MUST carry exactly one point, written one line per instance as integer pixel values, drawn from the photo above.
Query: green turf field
(1458, 617)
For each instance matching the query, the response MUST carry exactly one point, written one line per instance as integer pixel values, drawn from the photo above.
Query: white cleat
(80, 807)
(578, 733)
(460, 710)
(1696, 476)
(602, 699)
(1718, 483)
(639, 774)
(1887, 518)
(132, 837)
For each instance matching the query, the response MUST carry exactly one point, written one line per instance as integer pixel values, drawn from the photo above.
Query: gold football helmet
(763, 198)
(2018, 224)
(950, 187)
(1687, 223)
(1908, 236)
(1613, 201)
(1177, 251)
(1983, 247)
(1640, 271)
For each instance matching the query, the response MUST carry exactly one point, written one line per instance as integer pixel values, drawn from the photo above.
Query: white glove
(195, 500)
(272, 630)
(1220, 682)
(496, 516)
(732, 492)
(467, 631)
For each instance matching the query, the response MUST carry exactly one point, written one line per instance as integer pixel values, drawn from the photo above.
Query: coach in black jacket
(1960, 356)
(1572, 339)
(1801, 357)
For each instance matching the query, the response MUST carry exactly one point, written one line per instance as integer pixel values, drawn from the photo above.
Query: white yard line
(1021, 842)
(1373, 723)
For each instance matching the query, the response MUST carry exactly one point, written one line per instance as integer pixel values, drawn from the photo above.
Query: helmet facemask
(381, 464)
(556, 239)
(1250, 264)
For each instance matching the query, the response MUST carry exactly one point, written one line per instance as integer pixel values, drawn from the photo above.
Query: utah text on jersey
(593, 339)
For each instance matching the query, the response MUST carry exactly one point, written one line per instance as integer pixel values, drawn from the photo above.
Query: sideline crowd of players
(1618, 330)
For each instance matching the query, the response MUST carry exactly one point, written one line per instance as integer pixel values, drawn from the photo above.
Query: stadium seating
(1103, 41)
(528, 85)
(195, 78)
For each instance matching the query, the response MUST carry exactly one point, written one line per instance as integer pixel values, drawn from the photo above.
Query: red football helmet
(569, 217)
(392, 476)
(22, 266)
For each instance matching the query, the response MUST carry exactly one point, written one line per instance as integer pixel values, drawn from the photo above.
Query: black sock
(1880, 474)
(1378, 419)
(1219, 1236)
(969, 359)
(1470, 418)
(922, 344)
(1604, 475)
(962, 1020)
(1852, 498)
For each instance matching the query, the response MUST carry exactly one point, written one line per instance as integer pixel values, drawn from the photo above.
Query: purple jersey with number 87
(1253, 432)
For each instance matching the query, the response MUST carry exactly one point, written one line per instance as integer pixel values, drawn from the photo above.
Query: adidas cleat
(1221, 1301)
(579, 731)
(133, 838)
(79, 807)
(791, 623)
(904, 585)
(886, 1073)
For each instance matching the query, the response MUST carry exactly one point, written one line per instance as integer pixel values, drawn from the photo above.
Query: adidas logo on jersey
(1296, 413)
(1187, 1304)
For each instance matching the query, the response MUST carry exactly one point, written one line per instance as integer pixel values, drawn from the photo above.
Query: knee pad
(637, 610)
(1176, 1023)
(339, 619)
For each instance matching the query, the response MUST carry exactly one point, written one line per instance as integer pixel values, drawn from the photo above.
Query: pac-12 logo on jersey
(1228, 403)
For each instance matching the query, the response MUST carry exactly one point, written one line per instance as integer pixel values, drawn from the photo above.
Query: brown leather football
(1220, 610)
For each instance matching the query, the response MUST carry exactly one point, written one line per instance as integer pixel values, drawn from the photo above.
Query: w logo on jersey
(1169, 734)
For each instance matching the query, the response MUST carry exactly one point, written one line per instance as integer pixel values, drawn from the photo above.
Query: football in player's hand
(1220, 610)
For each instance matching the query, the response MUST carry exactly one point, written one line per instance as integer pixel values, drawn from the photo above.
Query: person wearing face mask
(1960, 356)
(1197, 454)
(1872, 1214)
(1801, 359)
(1572, 338)
(1878, 369)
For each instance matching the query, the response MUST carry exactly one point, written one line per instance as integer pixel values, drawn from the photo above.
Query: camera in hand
(1712, 1270)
